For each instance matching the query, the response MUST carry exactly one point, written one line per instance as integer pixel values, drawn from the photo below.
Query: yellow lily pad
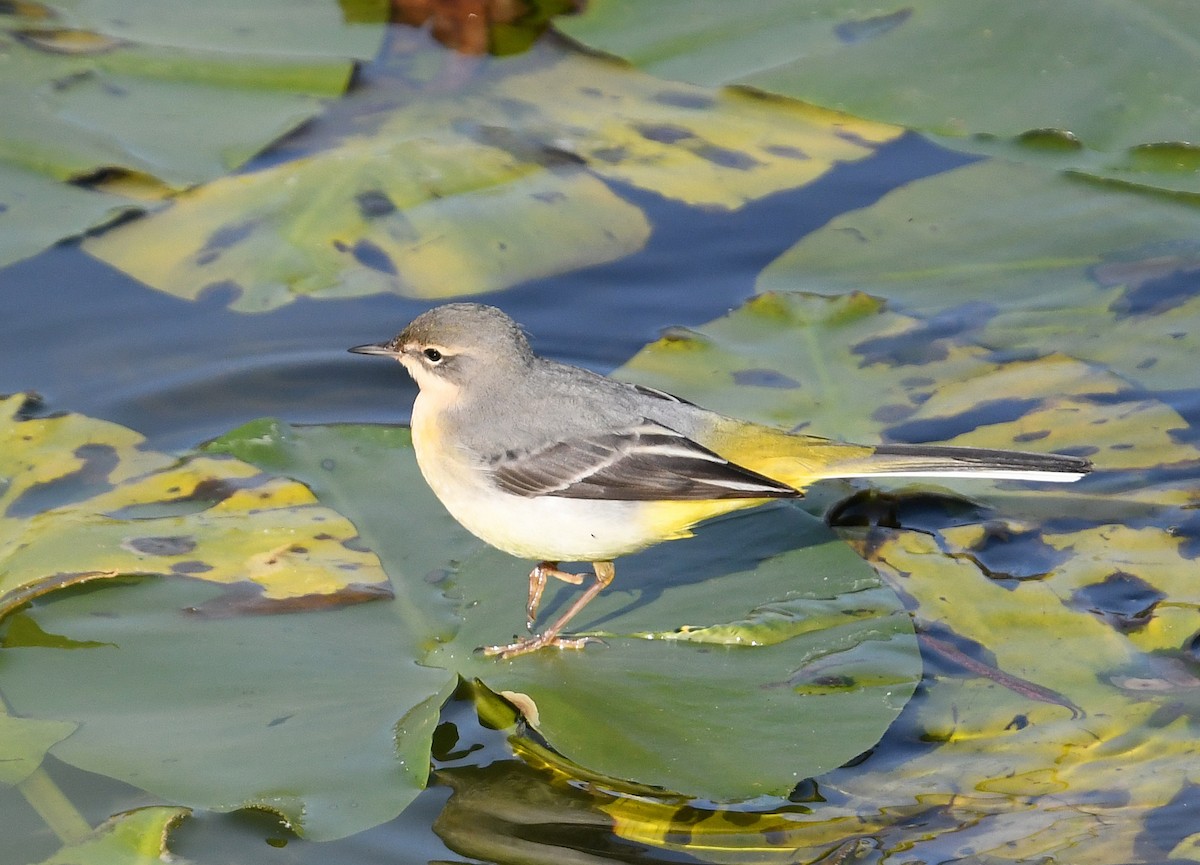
(83, 500)
(475, 191)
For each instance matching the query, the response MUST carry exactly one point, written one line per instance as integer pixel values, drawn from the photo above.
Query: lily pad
(84, 501)
(24, 743)
(212, 710)
(94, 89)
(1128, 753)
(712, 681)
(1125, 81)
(209, 708)
(1059, 630)
(133, 838)
(814, 612)
(476, 190)
(1074, 264)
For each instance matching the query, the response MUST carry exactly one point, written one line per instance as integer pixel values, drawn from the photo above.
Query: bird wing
(644, 462)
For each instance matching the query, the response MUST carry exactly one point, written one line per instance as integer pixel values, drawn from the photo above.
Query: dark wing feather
(643, 463)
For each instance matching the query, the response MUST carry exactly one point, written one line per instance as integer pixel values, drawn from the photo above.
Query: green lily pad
(474, 191)
(690, 662)
(1107, 90)
(133, 838)
(96, 88)
(815, 608)
(24, 743)
(213, 710)
(209, 708)
(1061, 630)
(35, 212)
(85, 502)
(1074, 264)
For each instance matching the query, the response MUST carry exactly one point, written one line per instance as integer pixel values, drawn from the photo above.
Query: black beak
(383, 348)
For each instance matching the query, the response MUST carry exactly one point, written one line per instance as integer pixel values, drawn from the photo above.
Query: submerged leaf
(424, 216)
(372, 704)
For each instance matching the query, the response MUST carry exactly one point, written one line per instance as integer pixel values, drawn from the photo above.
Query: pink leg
(537, 585)
(604, 575)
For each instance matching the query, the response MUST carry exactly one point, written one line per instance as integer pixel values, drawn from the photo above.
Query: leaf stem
(54, 807)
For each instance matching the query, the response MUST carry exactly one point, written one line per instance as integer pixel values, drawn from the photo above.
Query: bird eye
(433, 355)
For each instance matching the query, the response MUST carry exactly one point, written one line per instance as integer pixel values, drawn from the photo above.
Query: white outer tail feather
(978, 474)
(943, 461)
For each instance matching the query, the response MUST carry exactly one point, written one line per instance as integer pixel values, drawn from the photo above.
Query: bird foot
(532, 644)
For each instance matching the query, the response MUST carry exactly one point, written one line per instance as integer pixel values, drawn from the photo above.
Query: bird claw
(532, 644)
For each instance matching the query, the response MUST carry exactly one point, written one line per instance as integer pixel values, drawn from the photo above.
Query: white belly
(545, 528)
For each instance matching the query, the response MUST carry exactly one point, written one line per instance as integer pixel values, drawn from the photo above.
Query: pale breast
(543, 528)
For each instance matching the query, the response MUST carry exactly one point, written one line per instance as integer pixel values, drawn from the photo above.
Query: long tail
(902, 460)
(799, 460)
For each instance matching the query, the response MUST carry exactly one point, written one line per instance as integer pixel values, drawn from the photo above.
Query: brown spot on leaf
(1010, 557)
(229, 236)
(764, 378)
(985, 413)
(864, 29)
(727, 158)
(246, 599)
(664, 133)
(374, 203)
(927, 342)
(168, 545)
(223, 292)
(892, 412)
(685, 99)
(191, 566)
(785, 151)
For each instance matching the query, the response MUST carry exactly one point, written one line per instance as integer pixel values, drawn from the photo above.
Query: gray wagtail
(554, 463)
